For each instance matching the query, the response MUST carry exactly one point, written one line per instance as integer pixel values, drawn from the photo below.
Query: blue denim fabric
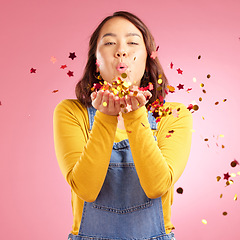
(122, 210)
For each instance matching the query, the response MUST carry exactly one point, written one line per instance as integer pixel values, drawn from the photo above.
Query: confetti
(200, 99)
(216, 103)
(179, 71)
(72, 55)
(199, 56)
(98, 62)
(235, 197)
(171, 131)
(189, 89)
(63, 66)
(224, 100)
(171, 65)
(208, 76)
(159, 81)
(204, 91)
(195, 107)
(54, 91)
(171, 89)
(224, 213)
(53, 59)
(168, 136)
(194, 79)
(154, 53)
(123, 75)
(204, 221)
(226, 176)
(180, 190)
(218, 178)
(180, 86)
(33, 70)
(70, 73)
(234, 163)
(104, 104)
(233, 175)
(201, 85)
(221, 196)
(175, 113)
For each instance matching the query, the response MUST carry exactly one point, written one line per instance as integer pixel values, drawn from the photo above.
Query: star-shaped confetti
(154, 53)
(70, 73)
(179, 71)
(53, 59)
(33, 70)
(226, 176)
(180, 86)
(72, 55)
(175, 113)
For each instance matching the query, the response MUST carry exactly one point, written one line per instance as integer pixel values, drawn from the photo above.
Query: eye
(133, 43)
(109, 43)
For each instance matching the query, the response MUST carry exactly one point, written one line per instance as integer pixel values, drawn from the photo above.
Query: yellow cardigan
(159, 164)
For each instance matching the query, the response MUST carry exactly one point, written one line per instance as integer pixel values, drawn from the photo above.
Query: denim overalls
(122, 210)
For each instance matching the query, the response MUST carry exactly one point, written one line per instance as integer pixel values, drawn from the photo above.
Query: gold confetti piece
(159, 81)
(135, 93)
(233, 175)
(124, 75)
(201, 85)
(204, 91)
(194, 79)
(203, 118)
(134, 58)
(221, 135)
(224, 213)
(235, 197)
(204, 221)
(221, 196)
(218, 178)
(180, 190)
(178, 109)
(195, 107)
(216, 103)
(208, 76)
(224, 100)
(199, 56)
(122, 105)
(104, 104)
(223, 146)
(238, 173)
(200, 99)
(160, 75)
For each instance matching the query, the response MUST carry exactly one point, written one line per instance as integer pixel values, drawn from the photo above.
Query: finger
(98, 99)
(93, 95)
(123, 105)
(141, 100)
(105, 99)
(111, 102)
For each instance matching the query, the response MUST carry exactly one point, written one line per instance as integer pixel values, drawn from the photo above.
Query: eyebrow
(114, 35)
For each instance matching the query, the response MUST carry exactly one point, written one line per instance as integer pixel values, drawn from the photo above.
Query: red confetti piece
(168, 136)
(175, 113)
(63, 66)
(70, 73)
(53, 59)
(153, 55)
(179, 71)
(189, 89)
(33, 70)
(54, 91)
(0, 103)
(180, 86)
(72, 55)
(226, 176)
(171, 65)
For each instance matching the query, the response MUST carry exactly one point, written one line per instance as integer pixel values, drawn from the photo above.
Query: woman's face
(121, 48)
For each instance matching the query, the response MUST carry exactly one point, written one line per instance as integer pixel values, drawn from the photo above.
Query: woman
(120, 163)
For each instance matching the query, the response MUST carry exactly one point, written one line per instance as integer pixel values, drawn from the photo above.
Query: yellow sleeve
(160, 163)
(82, 157)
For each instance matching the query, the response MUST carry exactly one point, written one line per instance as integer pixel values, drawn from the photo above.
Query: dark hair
(84, 85)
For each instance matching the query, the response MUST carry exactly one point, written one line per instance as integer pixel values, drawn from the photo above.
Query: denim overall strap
(122, 210)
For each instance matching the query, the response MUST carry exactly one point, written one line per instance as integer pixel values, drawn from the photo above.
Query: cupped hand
(136, 101)
(107, 102)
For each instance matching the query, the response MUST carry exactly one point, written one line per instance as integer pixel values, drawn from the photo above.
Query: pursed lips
(122, 67)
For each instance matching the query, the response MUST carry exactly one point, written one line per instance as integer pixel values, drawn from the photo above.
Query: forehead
(118, 26)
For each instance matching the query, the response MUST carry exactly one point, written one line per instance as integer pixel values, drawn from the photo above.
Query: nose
(120, 53)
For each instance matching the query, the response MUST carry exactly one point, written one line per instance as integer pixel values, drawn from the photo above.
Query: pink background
(35, 199)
